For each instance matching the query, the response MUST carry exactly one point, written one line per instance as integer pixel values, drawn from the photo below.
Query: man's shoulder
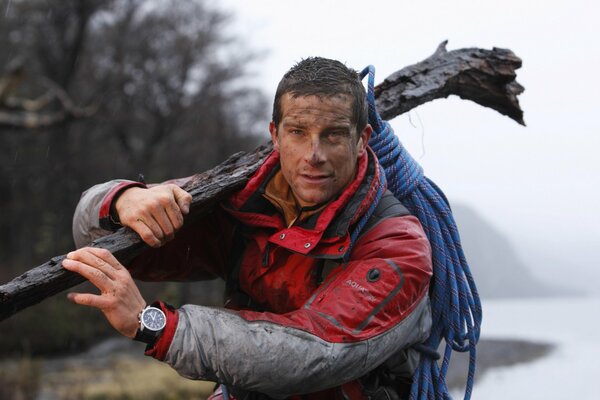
(388, 207)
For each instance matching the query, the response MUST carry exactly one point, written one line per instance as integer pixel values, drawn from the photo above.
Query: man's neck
(279, 193)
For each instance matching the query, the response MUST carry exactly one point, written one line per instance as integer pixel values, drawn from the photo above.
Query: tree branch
(31, 116)
(20, 113)
(486, 77)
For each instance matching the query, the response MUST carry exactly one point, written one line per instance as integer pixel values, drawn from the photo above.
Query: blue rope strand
(365, 218)
(456, 308)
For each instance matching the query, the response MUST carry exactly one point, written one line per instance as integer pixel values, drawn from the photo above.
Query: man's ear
(363, 140)
(274, 138)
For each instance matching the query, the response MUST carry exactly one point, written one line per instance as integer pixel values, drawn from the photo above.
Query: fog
(536, 184)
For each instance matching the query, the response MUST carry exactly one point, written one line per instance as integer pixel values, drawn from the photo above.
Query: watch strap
(147, 336)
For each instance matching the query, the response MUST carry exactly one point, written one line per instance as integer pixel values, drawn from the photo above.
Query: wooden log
(484, 76)
(206, 189)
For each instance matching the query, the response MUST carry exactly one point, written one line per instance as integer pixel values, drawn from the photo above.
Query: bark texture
(486, 77)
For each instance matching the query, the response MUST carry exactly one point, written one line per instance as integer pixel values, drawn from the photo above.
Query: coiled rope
(455, 304)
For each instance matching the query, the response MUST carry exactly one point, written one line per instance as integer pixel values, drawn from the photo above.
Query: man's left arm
(366, 311)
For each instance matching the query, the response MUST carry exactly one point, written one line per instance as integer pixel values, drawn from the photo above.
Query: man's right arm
(92, 216)
(155, 212)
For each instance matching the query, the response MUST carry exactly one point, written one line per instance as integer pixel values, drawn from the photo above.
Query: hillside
(497, 269)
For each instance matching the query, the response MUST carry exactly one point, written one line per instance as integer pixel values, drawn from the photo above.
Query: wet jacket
(286, 332)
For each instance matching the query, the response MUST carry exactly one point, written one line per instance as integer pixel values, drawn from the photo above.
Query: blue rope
(456, 309)
(367, 215)
(225, 392)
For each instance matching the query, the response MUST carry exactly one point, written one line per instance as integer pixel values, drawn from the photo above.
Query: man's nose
(315, 154)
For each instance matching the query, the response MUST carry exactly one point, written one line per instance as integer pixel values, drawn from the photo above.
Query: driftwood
(484, 76)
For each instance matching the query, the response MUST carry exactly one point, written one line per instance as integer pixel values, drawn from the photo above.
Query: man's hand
(155, 213)
(119, 299)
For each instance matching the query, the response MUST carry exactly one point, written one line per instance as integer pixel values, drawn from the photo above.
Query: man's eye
(296, 132)
(336, 135)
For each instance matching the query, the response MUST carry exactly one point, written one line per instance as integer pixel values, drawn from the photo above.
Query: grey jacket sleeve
(86, 220)
(278, 360)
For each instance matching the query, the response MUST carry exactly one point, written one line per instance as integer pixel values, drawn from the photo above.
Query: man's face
(318, 145)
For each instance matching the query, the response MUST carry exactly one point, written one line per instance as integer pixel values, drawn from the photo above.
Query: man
(309, 310)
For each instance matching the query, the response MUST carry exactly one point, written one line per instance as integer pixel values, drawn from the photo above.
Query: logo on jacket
(360, 288)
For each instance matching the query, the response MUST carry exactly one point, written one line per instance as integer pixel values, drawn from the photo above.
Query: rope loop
(367, 215)
(401, 169)
(455, 305)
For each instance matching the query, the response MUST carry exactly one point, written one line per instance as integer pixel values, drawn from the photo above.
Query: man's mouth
(315, 178)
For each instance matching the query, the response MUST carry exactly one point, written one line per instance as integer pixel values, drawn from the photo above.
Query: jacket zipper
(265, 260)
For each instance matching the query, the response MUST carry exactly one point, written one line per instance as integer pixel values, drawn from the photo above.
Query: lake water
(570, 371)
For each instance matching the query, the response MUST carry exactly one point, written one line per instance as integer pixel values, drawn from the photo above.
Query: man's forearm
(277, 360)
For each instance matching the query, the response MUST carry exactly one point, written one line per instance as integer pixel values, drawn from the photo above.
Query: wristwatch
(152, 322)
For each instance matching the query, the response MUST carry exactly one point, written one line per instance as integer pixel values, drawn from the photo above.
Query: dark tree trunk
(484, 76)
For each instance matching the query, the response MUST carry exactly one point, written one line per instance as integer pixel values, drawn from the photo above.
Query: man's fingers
(167, 224)
(106, 256)
(101, 259)
(149, 230)
(88, 299)
(175, 208)
(175, 216)
(183, 199)
(94, 275)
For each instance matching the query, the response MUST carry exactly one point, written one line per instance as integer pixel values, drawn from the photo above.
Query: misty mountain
(497, 269)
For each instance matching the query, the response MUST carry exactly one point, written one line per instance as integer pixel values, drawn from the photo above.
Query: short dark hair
(324, 78)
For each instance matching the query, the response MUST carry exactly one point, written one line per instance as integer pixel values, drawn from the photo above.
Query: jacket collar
(280, 194)
(322, 234)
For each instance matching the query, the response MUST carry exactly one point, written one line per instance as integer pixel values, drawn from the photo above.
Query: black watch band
(147, 336)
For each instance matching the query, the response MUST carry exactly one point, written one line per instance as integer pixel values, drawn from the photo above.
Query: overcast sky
(536, 184)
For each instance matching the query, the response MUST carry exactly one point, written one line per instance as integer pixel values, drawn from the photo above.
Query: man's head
(319, 128)
(323, 78)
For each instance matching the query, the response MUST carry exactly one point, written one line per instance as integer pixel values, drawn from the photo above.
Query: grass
(123, 378)
(19, 379)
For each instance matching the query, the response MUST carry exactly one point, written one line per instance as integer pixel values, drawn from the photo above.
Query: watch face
(153, 319)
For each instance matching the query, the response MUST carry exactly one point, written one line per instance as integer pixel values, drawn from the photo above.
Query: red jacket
(307, 338)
